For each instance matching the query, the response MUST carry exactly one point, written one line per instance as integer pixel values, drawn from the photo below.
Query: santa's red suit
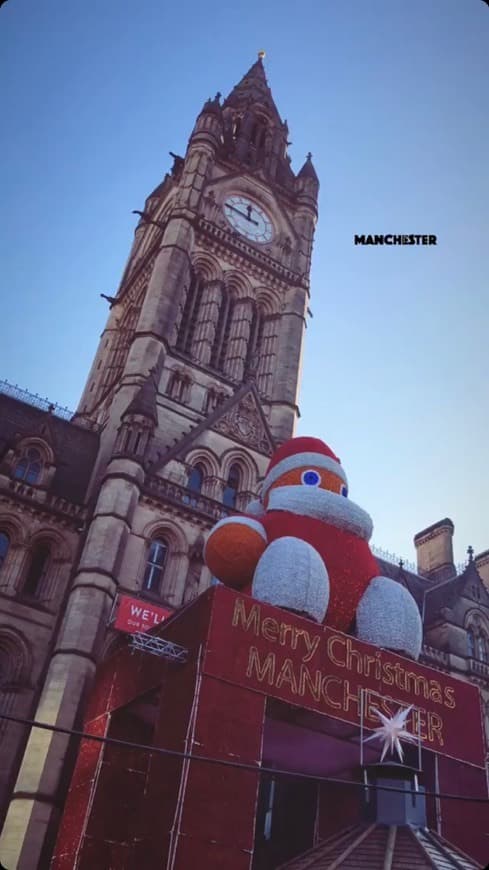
(306, 548)
(347, 557)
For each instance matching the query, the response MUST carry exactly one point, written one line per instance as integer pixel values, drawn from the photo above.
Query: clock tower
(215, 290)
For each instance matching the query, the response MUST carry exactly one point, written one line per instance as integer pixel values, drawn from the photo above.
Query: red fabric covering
(300, 445)
(348, 560)
(463, 823)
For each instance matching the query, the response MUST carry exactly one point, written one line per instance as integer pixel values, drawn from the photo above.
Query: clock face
(248, 219)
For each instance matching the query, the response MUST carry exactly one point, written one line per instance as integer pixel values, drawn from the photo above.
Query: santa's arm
(388, 616)
(233, 549)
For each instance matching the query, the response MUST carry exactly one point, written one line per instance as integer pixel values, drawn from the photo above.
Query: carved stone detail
(244, 422)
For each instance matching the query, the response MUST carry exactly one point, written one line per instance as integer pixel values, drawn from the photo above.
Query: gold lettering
(347, 697)
(418, 681)
(399, 670)
(284, 629)
(378, 666)
(385, 703)
(371, 705)
(387, 676)
(449, 697)
(368, 660)
(435, 692)
(286, 675)
(329, 650)
(435, 726)
(302, 632)
(270, 628)
(312, 646)
(351, 654)
(265, 670)
(314, 688)
(419, 723)
(252, 620)
(324, 689)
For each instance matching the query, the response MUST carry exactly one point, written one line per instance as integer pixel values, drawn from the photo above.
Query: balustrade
(181, 495)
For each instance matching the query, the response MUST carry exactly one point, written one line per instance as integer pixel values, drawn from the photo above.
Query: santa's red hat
(301, 453)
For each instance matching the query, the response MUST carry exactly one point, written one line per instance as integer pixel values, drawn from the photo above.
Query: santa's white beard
(322, 504)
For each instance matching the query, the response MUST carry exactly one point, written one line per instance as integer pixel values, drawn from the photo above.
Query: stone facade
(194, 383)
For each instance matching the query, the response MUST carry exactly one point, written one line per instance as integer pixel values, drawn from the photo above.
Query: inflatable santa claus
(304, 547)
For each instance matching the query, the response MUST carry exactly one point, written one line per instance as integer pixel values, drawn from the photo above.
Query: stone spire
(253, 88)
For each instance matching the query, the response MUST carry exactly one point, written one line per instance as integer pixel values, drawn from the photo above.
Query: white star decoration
(392, 731)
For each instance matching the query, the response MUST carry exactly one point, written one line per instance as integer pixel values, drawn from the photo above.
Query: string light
(239, 765)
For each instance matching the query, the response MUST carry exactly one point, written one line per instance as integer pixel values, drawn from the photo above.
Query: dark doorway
(286, 818)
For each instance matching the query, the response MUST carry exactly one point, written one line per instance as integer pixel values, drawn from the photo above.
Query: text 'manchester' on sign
(290, 658)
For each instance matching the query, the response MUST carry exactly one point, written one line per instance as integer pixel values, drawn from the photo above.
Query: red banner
(134, 614)
(312, 666)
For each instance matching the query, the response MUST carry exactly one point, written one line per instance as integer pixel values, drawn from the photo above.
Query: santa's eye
(311, 478)
(344, 491)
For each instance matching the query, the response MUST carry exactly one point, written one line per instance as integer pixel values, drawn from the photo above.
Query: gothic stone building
(194, 383)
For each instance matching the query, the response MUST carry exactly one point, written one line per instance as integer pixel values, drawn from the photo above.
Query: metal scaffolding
(157, 646)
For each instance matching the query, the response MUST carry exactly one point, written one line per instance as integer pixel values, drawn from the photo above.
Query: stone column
(36, 802)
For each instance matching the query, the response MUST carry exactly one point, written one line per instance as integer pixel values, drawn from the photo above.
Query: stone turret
(482, 565)
(434, 548)
(138, 423)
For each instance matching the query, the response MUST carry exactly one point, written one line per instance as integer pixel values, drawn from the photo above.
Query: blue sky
(391, 98)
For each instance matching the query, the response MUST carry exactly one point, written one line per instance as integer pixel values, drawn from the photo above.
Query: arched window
(179, 386)
(210, 401)
(470, 644)
(155, 565)
(255, 341)
(236, 127)
(196, 478)
(482, 648)
(219, 349)
(4, 545)
(232, 486)
(37, 570)
(29, 466)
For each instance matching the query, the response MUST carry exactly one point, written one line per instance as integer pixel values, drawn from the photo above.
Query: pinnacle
(253, 88)
(144, 401)
(308, 170)
(257, 70)
(213, 106)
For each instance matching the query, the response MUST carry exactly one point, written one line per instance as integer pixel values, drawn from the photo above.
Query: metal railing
(44, 404)
(393, 558)
(160, 487)
(16, 392)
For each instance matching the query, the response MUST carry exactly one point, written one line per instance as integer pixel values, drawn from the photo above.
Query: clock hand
(242, 214)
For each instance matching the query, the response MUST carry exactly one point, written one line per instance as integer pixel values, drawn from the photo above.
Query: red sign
(133, 615)
(282, 655)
